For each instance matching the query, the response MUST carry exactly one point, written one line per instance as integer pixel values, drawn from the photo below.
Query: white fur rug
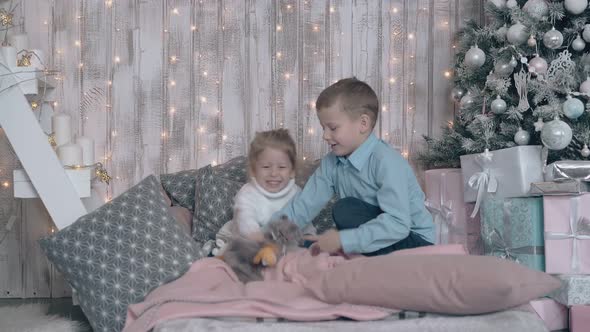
(33, 318)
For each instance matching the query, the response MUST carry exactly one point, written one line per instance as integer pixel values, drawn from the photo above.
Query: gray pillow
(180, 187)
(213, 204)
(235, 169)
(115, 255)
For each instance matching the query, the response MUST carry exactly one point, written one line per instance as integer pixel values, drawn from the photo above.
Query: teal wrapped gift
(512, 228)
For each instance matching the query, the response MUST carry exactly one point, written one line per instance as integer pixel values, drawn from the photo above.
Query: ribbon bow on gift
(500, 245)
(484, 180)
(580, 230)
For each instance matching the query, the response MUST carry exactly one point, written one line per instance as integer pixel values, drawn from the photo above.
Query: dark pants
(351, 212)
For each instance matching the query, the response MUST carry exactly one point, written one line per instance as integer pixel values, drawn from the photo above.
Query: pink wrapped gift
(555, 315)
(444, 199)
(567, 234)
(580, 318)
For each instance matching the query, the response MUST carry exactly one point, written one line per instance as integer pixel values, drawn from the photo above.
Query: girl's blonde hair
(279, 139)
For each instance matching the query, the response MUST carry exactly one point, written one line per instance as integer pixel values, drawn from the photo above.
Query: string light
(279, 28)
(203, 99)
(289, 7)
(172, 110)
(410, 35)
(395, 10)
(316, 29)
(109, 3)
(175, 11)
(287, 76)
(447, 74)
(279, 55)
(77, 43)
(213, 163)
(172, 83)
(6, 184)
(224, 137)
(81, 65)
(173, 59)
(391, 80)
(163, 134)
(332, 9)
(117, 59)
(205, 74)
(193, 28)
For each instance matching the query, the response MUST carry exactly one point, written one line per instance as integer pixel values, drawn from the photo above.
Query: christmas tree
(522, 79)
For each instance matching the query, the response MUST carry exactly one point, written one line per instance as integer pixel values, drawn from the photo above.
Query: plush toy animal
(248, 257)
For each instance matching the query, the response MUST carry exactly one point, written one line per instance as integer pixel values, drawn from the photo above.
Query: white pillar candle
(62, 128)
(37, 59)
(19, 41)
(87, 145)
(9, 56)
(70, 154)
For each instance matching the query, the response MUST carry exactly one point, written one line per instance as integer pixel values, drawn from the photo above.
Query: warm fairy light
(310, 131)
(405, 154)
(391, 80)
(450, 124)
(411, 83)
(55, 104)
(34, 105)
(279, 28)
(109, 3)
(172, 83)
(332, 9)
(213, 163)
(163, 134)
(395, 10)
(175, 11)
(287, 76)
(6, 184)
(193, 28)
(114, 133)
(205, 74)
(447, 74)
(279, 55)
(203, 99)
(410, 35)
(173, 59)
(289, 7)
(110, 83)
(316, 28)
(77, 43)
(172, 110)
(81, 65)
(312, 104)
(224, 137)
(201, 130)
(45, 22)
(383, 109)
(117, 59)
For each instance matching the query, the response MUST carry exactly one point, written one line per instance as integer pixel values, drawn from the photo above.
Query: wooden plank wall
(167, 85)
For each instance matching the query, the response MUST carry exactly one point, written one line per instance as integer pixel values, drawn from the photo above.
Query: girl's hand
(329, 242)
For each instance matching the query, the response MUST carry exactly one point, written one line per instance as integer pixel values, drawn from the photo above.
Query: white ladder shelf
(32, 147)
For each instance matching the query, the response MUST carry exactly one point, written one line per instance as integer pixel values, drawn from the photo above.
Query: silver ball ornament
(511, 4)
(513, 63)
(556, 134)
(532, 42)
(585, 152)
(578, 44)
(457, 93)
(498, 105)
(503, 69)
(474, 58)
(585, 86)
(553, 39)
(573, 108)
(538, 65)
(522, 137)
(467, 101)
(517, 34)
(499, 3)
(586, 33)
(575, 6)
(536, 8)
(501, 33)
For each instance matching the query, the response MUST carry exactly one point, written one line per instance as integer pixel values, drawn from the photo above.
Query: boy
(382, 206)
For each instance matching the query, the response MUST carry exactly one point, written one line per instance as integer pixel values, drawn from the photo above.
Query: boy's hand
(329, 241)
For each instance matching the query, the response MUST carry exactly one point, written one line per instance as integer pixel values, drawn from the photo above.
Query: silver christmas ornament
(503, 69)
(553, 39)
(511, 4)
(536, 8)
(517, 34)
(522, 137)
(586, 33)
(538, 65)
(578, 44)
(498, 105)
(575, 6)
(474, 58)
(499, 3)
(585, 152)
(457, 93)
(513, 62)
(501, 33)
(585, 86)
(573, 108)
(467, 101)
(556, 134)
(532, 42)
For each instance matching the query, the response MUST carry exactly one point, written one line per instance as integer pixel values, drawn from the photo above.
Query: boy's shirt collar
(359, 157)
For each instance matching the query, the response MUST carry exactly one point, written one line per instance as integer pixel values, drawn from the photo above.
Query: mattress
(505, 321)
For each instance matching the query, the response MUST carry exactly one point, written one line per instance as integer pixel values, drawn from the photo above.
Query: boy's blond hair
(355, 96)
(279, 139)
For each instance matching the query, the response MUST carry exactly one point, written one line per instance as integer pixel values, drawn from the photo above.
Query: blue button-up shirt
(374, 173)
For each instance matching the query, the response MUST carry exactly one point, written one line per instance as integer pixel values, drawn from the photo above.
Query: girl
(271, 166)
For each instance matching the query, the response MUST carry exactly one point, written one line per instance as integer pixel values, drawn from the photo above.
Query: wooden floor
(62, 307)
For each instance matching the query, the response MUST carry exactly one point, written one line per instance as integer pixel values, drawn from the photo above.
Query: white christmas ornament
(556, 135)
(532, 42)
(573, 108)
(575, 6)
(536, 8)
(539, 124)
(511, 4)
(498, 105)
(474, 58)
(467, 101)
(522, 137)
(517, 34)
(585, 86)
(503, 69)
(578, 44)
(501, 33)
(586, 33)
(585, 152)
(538, 65)
(513, 62)
(553, 39)
(499, 3)
(457, 93)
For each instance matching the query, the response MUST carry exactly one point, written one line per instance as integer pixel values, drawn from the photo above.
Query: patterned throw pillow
(180, 187)
(213, 204)
(324, 220)
(235, 169)
(115, 255)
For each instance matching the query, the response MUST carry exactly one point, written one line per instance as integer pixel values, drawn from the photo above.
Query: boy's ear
(365, 122)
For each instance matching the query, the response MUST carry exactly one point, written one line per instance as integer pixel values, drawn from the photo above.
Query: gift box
(512, 228)
(579, 318)
(444, 199)
(578, 170)
(507, 172)
(567, 234)
(554, 314)
(574, 290)
(569, 187)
